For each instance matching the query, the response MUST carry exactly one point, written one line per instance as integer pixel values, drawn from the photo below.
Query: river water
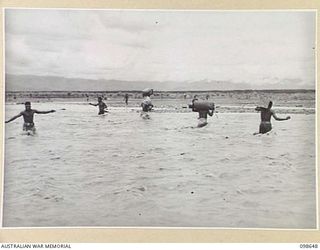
(81, 169)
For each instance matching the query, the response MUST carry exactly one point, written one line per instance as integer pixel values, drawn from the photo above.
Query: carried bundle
(197, 106)
(147, 92)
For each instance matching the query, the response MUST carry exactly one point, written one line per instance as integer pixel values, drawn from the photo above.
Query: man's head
(270, 105)
(99, 99)
(27, 105)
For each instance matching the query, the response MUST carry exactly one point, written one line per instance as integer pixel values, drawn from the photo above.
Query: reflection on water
(81, 169)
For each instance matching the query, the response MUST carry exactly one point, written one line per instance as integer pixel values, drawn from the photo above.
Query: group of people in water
(203, 109)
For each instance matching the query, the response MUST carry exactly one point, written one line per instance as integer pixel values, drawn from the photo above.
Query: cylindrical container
(201, 106)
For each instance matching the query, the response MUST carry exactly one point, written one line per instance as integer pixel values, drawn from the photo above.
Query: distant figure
(126, 98)
(146, 103)
(28, 114)
(184, 96)
(195, 98)
(207, 97)
(204, 109)
(266, 113)
(102, 106)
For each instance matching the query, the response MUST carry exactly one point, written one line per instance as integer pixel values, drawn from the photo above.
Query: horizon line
(172, 91)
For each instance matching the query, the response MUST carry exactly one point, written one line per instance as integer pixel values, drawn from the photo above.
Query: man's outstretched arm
(278, 118)
(260, 109)
(13, 118)
(44, 112)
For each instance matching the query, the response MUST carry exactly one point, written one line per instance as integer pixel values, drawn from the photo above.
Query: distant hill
(54, 83)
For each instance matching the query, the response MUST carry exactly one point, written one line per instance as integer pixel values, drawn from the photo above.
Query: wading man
(126, 98)
(28, 115)
(102, 106)
(266, 113)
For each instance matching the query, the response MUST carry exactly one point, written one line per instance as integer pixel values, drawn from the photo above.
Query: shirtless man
(28, 114)
(102, 106)
(126, 98)
(203, 116)
(146, 104)
(266, 113)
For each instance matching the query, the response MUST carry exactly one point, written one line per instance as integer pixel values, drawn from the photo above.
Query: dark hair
(27, 103)
(270, 104)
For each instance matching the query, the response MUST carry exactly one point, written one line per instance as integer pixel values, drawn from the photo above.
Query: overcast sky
(253, 47)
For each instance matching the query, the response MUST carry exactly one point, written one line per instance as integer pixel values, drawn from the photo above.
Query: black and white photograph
(159, 118)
